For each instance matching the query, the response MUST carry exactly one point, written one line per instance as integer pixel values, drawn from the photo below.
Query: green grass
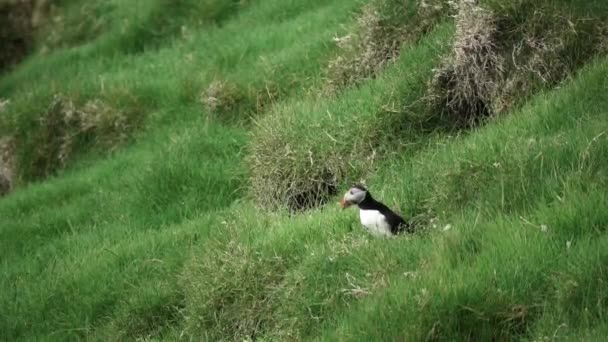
(161, 235)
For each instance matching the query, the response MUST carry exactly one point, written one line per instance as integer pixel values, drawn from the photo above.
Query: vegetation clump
(501, 54)
(381, 29)
(64, 127)
(221, 97)
(16, 31)
(468, 79)
(225, 100)
(6, 165)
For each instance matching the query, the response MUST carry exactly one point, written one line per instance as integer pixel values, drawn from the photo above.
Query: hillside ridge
(171, 170)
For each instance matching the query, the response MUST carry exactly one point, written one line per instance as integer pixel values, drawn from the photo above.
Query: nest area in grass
(466, 82)
(499, 57)
(19, 18)
(496, 63)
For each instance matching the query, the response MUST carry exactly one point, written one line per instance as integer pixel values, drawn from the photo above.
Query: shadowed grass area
(150, 141)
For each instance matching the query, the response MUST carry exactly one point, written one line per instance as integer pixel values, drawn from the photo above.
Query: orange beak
(344, 204)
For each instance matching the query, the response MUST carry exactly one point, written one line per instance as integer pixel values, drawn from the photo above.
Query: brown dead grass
(546, 54)
(7, 160)
(225, 100)
(499, 60)
(221, 97)
(467, 80)
(377, 37)
(6, 165)
(364, 54)
(64, 125)
(15, 31)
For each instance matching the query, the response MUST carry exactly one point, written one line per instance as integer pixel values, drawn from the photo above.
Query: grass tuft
(227, 101)
(467, 81)
(64, 127)
(502, 54)
(7, 165)
(381, 29)
(230, 292)
(16, 31)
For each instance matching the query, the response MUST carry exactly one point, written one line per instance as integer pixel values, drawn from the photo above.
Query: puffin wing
(396, 222)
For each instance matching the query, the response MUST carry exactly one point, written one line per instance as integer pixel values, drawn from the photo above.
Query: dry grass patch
(222, 97)
(503, 54)
(65, 126)
(377, 37)
(6, 165)
(467, 80)
(67, 25)
(299, 165)
(546, 52)
(225, 100)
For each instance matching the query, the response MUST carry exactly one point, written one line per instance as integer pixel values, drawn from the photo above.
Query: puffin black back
(396, 222)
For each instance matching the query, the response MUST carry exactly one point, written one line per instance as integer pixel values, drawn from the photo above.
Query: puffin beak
(344, 204)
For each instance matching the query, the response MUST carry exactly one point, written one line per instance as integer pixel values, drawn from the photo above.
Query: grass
(301, 173)
(523, 217)
(155, 225)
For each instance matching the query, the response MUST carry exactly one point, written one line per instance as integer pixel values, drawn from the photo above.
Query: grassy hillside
(175, 167)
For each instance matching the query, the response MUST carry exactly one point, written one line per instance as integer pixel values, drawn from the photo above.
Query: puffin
(376, 217)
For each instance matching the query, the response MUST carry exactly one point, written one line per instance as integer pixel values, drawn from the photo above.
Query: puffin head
(355, 195)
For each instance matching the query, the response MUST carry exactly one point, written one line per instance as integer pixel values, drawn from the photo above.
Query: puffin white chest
(375, 222)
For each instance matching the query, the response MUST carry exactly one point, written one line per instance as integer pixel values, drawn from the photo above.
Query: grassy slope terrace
(140, 145)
